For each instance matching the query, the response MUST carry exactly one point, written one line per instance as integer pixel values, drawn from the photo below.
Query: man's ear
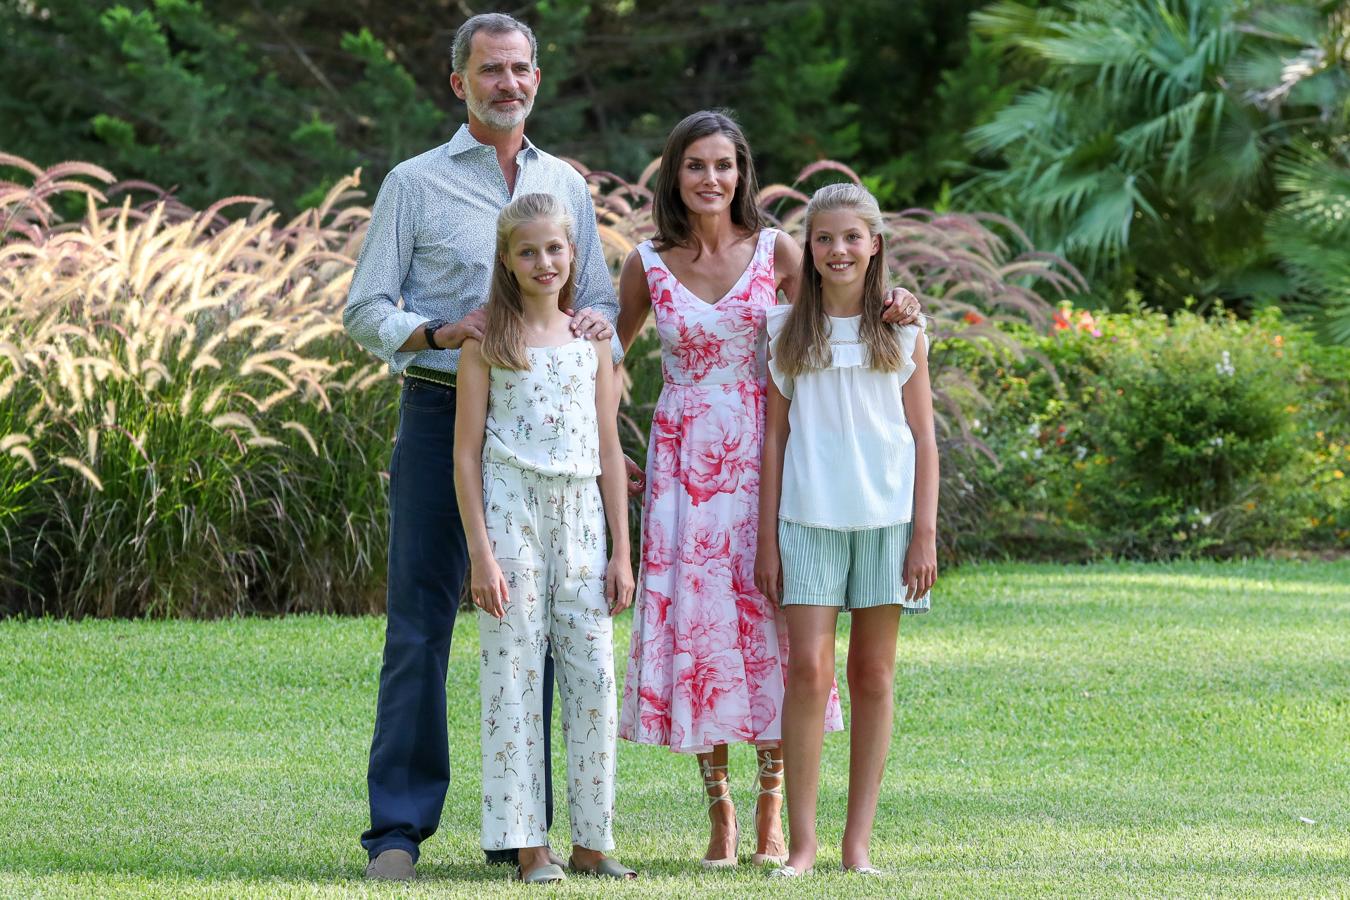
(457, 85)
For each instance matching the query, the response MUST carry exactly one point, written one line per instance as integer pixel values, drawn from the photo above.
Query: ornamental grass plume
(183, 427)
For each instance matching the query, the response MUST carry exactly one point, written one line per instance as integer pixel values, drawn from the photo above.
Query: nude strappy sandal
(766, 764)
(712, 800)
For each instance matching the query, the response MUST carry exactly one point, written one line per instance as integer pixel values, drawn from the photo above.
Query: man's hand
(455, 334)
(901, 308)
(588, 323)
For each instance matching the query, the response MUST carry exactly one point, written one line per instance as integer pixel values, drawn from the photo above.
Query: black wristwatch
(429, 330)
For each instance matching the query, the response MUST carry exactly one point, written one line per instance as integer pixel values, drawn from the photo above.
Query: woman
(706, 667)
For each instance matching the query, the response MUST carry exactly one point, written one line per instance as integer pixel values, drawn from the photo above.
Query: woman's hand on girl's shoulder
(488, 588)
(619, 584)
(901, 308)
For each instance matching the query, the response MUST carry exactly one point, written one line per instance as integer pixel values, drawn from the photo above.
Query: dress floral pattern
(708, 653)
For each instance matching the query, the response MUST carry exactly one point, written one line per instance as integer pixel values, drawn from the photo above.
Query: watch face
(430, 331)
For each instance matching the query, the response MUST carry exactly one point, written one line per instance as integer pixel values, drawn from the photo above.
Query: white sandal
(766, 764)
(724, 797)
(786, 871)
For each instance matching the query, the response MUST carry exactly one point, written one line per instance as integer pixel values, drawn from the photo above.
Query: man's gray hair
(492, 23)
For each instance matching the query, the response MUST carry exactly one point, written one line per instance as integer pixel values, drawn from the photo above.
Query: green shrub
(1154, 437)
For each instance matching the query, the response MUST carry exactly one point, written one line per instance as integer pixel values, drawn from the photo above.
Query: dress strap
(768, 240)
(647, 253)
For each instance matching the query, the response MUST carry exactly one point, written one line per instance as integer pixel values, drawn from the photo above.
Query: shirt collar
(463, 142)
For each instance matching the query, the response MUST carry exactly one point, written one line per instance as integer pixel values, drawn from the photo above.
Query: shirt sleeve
(909, 339)
(372, 315)
(595, 284)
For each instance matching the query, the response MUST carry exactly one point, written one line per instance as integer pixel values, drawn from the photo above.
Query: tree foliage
(1173, 145)
(212, 98)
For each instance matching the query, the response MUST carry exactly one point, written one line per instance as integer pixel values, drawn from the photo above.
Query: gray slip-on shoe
(391, 865)
(545, 874)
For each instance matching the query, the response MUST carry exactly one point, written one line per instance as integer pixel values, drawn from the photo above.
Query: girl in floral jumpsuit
(538, 473)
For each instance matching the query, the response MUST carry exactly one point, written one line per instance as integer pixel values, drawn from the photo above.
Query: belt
(435, 376)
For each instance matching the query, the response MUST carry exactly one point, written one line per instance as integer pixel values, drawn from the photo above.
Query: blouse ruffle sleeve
(909, 339)
(775, 317)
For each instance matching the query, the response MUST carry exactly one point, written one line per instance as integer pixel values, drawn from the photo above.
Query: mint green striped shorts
(850, 569)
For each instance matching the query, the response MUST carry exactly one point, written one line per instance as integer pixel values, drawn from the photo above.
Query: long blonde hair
(805, 342)
(504, 336)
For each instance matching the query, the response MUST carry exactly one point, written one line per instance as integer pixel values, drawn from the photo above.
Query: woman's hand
(619, 584)
(589, 323)
(487, 586)
(637, 479)
(901, 308)
(920, 573)
(769, 571)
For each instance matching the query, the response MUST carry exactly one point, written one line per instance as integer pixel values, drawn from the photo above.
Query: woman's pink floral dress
(708, 658)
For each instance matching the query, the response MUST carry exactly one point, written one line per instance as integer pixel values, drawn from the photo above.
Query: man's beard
(498, 119)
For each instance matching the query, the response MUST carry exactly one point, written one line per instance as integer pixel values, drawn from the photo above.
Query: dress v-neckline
(731, 290)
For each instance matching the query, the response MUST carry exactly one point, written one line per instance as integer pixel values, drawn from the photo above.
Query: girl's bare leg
(810, 677)
(871, 688)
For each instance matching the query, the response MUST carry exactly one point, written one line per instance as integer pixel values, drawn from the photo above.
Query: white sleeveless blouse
(543, 418)
(849, 462)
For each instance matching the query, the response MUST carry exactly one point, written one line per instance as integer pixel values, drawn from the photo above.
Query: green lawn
(1104, 730)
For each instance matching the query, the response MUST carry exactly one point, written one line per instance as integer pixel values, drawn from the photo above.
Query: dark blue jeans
(409, 769)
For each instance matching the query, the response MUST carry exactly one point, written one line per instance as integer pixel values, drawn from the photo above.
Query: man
(431, 241)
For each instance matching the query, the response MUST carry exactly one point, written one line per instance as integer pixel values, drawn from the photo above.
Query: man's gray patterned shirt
(432, 238)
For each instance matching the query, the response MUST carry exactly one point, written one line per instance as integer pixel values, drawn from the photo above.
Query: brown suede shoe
(391, 865)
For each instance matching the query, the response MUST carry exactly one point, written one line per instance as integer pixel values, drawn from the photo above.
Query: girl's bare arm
(768, 565)
(486, 584)
(613, 483)
(921, 563)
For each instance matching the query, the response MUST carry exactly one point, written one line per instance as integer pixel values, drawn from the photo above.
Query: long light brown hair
(504, 336)
(805, 342)
(669, 213)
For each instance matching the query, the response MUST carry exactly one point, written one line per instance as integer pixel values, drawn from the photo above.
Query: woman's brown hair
(805, 342)
(504, 334)
(668, 210)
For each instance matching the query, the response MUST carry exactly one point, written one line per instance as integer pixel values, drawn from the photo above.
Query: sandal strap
(710, 782)
(767, 763)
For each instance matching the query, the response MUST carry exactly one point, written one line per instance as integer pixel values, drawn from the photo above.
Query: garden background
(1130, 222)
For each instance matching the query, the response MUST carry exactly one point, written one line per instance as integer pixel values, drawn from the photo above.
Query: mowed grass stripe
(1105, 730)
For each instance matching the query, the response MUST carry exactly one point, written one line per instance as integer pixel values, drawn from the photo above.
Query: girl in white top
(850, 476)
(538, 472)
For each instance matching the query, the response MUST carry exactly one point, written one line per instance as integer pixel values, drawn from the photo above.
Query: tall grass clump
(184, 429)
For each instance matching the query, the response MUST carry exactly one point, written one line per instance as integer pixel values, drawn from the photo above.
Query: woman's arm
(768, 565)
(921, 561)
(787, 266)
(635, 301)
(613, 478)
(486, 583)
